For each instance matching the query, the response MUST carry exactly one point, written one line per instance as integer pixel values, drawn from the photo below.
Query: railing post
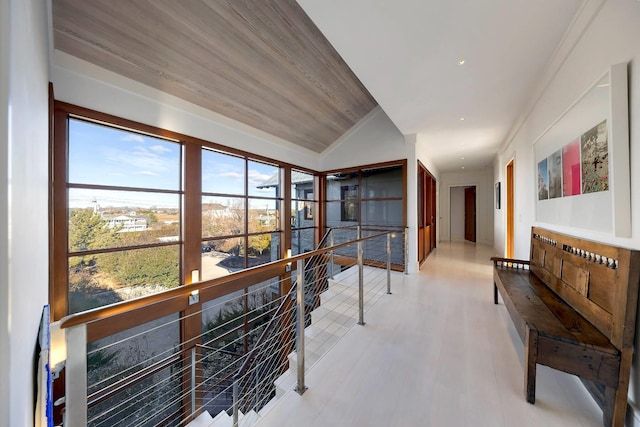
(300, 388)
(193, 380)
(405, 235)
(76, 384)
(388, 263)
(360, 281)
(236, 395)
(331, 243)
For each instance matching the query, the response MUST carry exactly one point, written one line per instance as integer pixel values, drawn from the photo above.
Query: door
(470, 214)
(433, 213)
(510, 213)
(426, 213)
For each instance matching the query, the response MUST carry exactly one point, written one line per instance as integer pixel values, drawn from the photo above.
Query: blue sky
(108, 156)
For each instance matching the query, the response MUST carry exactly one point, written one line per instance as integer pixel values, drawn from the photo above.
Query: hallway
(437, 352)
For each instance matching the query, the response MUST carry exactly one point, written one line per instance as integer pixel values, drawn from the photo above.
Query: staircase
(330, 321)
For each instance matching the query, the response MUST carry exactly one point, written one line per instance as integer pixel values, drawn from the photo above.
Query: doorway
(470, 214)
(426, 213)
(510, 213)
(462, 212)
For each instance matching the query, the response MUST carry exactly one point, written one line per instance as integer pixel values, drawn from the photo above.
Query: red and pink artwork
(571, 168)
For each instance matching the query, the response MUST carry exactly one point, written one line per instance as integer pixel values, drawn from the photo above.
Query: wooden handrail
(278, 267)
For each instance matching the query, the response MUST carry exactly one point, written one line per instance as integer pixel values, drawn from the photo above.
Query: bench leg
(495, 293)
(615, 399)
(530, 358)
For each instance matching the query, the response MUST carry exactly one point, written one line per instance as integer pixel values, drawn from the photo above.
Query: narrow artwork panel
(595, 159)
(543, 180)
(571, 168)
(555, 174)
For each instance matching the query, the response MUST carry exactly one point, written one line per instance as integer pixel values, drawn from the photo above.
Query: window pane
(101, 219)
(221, 356)
(222, 216)
(384, 212)
(222, 173)
(261, 250)
(382, 183)
(123, 354)
(335, 213)
(349, 208)
(109, 156)
(302, 213)
(102, 279)
(302, 241)
(335, 183)
(221, 257)
(263, 215)
(264, 180)
(301, 185)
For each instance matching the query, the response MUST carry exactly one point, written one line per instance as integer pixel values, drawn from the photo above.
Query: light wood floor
(437, 352)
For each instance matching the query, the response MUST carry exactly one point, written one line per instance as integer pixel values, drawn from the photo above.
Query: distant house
(301, 214)
(126, 224)
(217, 210)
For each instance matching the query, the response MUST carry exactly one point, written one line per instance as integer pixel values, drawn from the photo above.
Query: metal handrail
(76, 336)
(251, 355)
(278, 267)
(300, 322)
(267, 328)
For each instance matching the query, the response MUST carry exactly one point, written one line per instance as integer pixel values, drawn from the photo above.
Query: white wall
(24, 265)
(456, 214)
(374, 139)
(81, 83)
(612, 36)
(483, 181)
(5, 404)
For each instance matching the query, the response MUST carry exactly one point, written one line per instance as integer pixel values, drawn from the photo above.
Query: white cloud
(160, 149)
(258, 177)
(234, 175)
(148, 173)
(134, 137)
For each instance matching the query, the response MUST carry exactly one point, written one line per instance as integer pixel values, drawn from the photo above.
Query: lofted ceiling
(262, 63)
(406, 52)
(278, 65)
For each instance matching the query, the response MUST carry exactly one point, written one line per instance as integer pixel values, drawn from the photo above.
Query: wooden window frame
(192, 193)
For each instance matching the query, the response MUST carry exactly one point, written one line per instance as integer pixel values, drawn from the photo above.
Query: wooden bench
(574, 305)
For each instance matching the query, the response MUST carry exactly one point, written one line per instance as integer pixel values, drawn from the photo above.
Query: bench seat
(541, 309)
(574, 304)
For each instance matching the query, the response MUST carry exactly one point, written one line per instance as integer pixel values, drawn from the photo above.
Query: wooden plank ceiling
(262, 63)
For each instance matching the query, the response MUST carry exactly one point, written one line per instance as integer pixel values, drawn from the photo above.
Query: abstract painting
(595, 159)
(571, 168)
(543, 180)
(554, 162)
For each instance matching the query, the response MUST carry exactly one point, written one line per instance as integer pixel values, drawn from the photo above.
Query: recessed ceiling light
(461, 62)
(463, 167)
(462, 158)
(461, 118)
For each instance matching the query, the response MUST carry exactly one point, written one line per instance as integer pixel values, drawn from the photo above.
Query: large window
(123, 208)
(137, 210)
(372, 197)
(240, 213)
(368, 196)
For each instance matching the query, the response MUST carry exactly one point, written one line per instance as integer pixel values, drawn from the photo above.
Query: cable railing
(250, 346)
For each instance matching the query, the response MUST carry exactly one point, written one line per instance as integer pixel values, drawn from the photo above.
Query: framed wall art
(582, 161)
